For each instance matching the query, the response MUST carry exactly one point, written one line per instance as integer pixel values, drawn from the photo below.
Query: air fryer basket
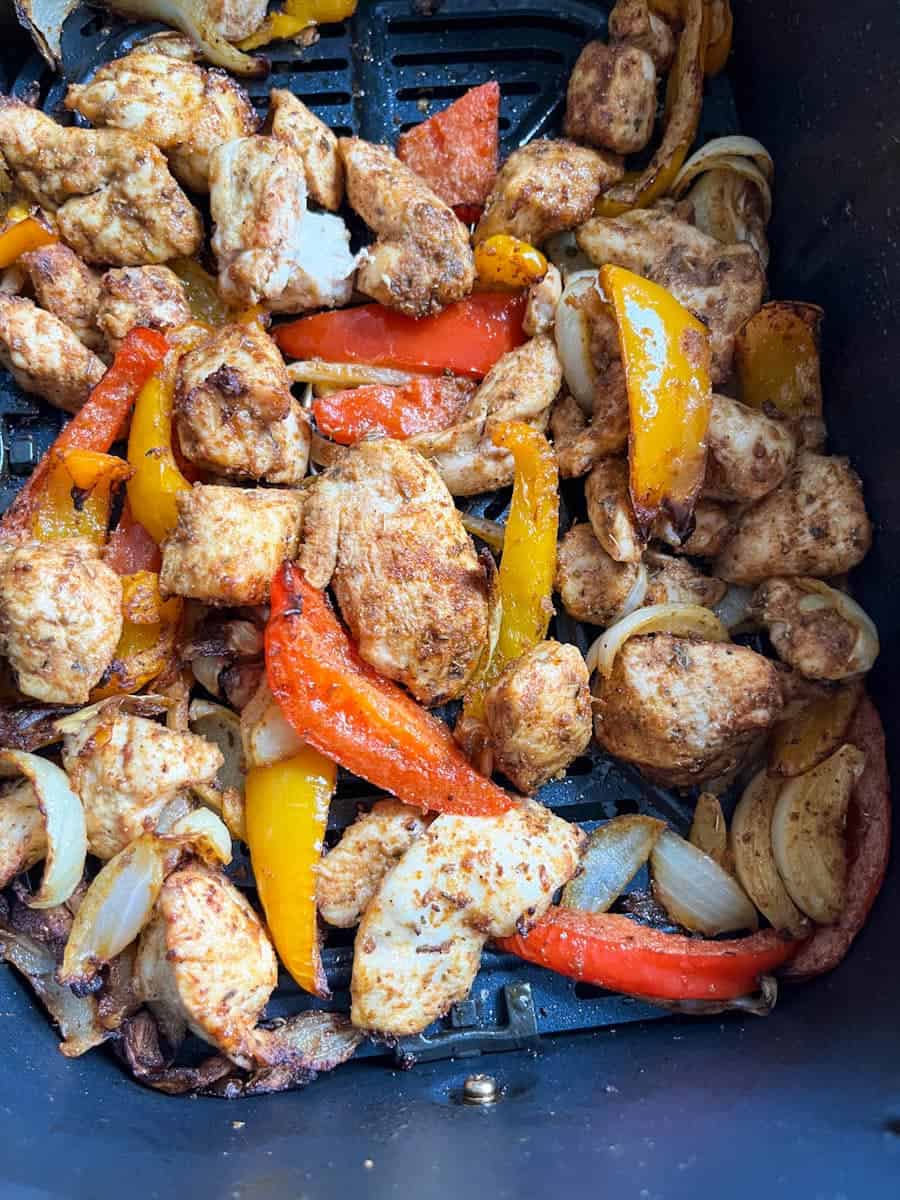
(812, 1095)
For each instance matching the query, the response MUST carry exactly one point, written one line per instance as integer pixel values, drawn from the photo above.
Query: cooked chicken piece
(713, 526)
(728, 207)
(291, 121)
(722, 285)
(45, 356)
(60, 617)
(592, 586)
(538, 715)
(229, 542)
(546, 187)
(132, 296)
(675, 581)
(814, 524)
(579, 442)
(609, 510)
(421, 259)
(521, 386)
(126, 769)
(464, 880)
(270, 250)
(67, 288)
(207, 959)
(685, 711)
(810, 634)
(383, 529)
(111, 192)
(611, 100)
(184, 109)
(235, 19)
(543, 297)
(23, 836)
(749, 454)
(234, 411)
(351, 873)
(632, 21)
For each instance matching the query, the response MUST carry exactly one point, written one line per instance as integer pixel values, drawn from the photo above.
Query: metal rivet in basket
(480, 1089)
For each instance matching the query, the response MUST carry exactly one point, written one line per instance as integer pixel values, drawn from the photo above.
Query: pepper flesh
(78, 495)
(776, 357)
(665, 354)
(286, 811)
(130, 547)
(506, 262)
(341, 706)
(147, 642)
(25, 235)
(157, 479)
(201, 292)
(720, 31)
(421, 406)
(296, 16)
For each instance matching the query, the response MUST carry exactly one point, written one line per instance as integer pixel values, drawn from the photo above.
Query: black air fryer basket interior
(807, 1102)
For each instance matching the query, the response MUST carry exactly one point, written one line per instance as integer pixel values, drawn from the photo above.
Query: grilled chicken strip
(722, 285)
(579, 441)
(158, 92)
(633, 22)
(675, 581)
(60, 617)
(150, 296)
(351, 873)
(749, 454)
(610, 512)
(111, 192)
(383, 529)
(685, 711)
(234, 411)
(23, 836)
(421, 259)
(464, 880)
(45, 356)
(611, 99)
(66, 287)
(290, 121)
(593, 586)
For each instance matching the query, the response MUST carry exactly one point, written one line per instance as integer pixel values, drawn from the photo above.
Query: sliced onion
(345, 374)
(572, 331)
(733, 610)
(695, 891)
(490, 532)
(802, 741)
(867, 645)
(266, 734)
(710, 156)
(614, 854)
(682, 620)
(709, 832)
(64, 824)
(206, 833)
(566, 255)
(222, 727)
(635, 597)
(754, 860)
(139, 706)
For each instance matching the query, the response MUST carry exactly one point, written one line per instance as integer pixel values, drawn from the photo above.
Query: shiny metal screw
(480, 1089)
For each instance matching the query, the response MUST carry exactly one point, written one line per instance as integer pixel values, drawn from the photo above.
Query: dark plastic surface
(805, 1104)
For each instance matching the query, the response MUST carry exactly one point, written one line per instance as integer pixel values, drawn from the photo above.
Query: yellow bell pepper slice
(296, 16)
(286, 811)
(27, 234)
(776, 356)
(201, 292)
(506, 262)
(78, 493)
(721, 28)
(157, 479)
(665, 354)
(149, 634)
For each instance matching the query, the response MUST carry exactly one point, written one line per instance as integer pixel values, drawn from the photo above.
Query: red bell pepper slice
(455, 151)
(614, 952)
(466, 338)
(421, 406)
(131, 548)
(338, 704)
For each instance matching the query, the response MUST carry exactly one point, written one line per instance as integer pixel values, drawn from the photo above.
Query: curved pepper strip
(78, 495)
(147, 643)
(157, 479)
(296, 16)
(346, 710)
(420, 406)
(614, 952)
(27, 234)
(506, 262)
(286, 811)
(719, 45)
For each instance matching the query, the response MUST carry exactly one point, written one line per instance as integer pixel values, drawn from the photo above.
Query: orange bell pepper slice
(25, 235)
(346, 710)
(297, 16)
(148, 639)
(130, 547)
(78, 495)
(665, 354)
(776, 357)
(421, 406)
(456, 150)
(506, 262)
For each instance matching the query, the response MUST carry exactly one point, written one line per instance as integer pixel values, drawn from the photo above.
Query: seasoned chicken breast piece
(465, 879)
(421, 259)
(45, 356)
(110, 191)
(714, 524)
(60, 617)
(351, 873)
(229, 542)
(538, 715)
(675, 581)
(132, 296)
(235, 19)
(592, 586)
(126, 769)
(234, 412)
(610, 512)
(23, 836)
(543, 297)
(382, 528)
(611, 99)
(546, 187)
(581, 441)
(748, 453)
(721, 285)
(814, 524)
(184, 109)
(810, 633)
(290, 121)
(66, 287)
(633, 22)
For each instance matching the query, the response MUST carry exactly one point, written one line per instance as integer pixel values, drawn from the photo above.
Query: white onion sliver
(695, 891)
(573, 338)
(682, 620)
(635, 597)
(708, 157)
(615, 853)
(222, 727)
(206, 831)
(734, 607)
(267, 736)
(346, 374)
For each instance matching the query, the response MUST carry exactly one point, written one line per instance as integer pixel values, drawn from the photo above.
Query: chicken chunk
(351, 873)
(66, 287)
(546, 187)
(685, 711)
(234, 411)
(207, 957)
(464, 880)
(633, 22)
(23, 836)
(521, 386)
(184, 109)
(291, 121)
(811, 634)
(581, 442)
(60, 618)
(611, 100)
(543, 297)
(675, 581)
(721, 285)
(111, 192)
(235, 19)
(610, 512)
(126, 769)
(748, 455)
(814, 524)
(713, 526)
(132, 296)
(45, 356)
(538, 715)
(229, 542)
(421, 259)
(383, 529)
(592, 586)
